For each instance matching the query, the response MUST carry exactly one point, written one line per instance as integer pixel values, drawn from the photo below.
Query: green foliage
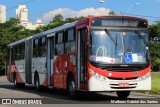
(155, 56)
(155, 47)
(10, 31)
(112, 13)
(58, 20)
(154, 30)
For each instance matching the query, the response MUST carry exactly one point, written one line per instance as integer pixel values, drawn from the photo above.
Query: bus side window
(59, 47)
(42, 46)
(70, 41)
(35, 48)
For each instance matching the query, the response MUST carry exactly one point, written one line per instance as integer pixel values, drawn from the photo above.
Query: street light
(103, 1)
(130, 7)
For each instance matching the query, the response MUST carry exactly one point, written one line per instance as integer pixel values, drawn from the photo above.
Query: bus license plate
(123, 84)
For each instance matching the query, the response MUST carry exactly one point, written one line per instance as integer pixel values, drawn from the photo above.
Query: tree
(155, 56)
(112, 13)
(154, 30)
(10, 31)
(58, 18)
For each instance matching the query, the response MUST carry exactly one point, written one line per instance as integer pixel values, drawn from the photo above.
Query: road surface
(7, 90)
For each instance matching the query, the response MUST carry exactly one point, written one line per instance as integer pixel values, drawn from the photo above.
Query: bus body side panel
(20, 72)
(16, 67)
(59, 68)
(39, 66)
(63, 65)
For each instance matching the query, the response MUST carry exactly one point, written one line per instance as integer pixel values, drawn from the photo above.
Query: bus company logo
(123, 77)
(6, 101)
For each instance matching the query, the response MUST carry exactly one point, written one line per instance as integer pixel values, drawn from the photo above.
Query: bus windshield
(118, 47)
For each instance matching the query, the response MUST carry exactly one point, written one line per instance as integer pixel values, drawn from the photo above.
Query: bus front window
(115, 47)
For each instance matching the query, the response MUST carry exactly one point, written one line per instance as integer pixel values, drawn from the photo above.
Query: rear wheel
(72, 87)
(37, 83)
(17, 85)
(123, 94)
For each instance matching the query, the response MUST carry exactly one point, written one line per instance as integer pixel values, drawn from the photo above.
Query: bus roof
(65, 26)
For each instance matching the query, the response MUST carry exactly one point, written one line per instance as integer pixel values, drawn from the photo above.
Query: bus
(94, 54)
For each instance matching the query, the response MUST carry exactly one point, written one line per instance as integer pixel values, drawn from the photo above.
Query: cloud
(68, 13)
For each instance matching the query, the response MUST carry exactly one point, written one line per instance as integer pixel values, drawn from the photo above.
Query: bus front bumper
(95, 84)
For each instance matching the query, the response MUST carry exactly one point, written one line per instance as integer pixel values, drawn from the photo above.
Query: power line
(155, 17)
(18, 5)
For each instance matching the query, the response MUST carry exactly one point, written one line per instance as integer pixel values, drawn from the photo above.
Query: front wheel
(123, 94)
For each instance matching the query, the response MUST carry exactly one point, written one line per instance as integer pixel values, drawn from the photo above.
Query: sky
(47, 9)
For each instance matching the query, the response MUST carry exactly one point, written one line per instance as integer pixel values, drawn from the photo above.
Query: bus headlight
(92, 72)
(145, 76)
(96, 75)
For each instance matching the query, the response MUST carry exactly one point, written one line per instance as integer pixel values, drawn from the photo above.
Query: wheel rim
(72, 87)
(37, 83)
(15, 82)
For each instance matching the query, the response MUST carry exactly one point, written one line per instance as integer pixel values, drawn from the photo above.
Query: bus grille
(112, 78)
(124, 69)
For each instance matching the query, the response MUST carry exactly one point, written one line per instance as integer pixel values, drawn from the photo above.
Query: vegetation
(10, 32)
(155, 46)
(155, 82)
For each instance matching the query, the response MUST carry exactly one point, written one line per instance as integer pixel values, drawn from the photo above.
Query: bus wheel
(123, 94)
(71, 87)
(15, 82)
(17, 85)
(37, 83)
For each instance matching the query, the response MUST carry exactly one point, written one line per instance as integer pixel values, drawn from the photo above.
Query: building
(29, 25)
(22, 14)
(2, 13)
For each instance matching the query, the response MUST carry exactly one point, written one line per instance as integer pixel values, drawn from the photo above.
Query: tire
(123, 94)
(17, 85)
(15, 82)
(37, 83)
(71, 87)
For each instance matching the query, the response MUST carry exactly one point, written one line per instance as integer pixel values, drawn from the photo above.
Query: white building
(22, 14)
(29, 25)
(2, 13)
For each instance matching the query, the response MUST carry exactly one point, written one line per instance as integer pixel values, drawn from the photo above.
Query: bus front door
(81, 59)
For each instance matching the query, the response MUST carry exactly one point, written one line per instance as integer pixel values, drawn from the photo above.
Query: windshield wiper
(108, 33)
(111, 37)
(140, 36)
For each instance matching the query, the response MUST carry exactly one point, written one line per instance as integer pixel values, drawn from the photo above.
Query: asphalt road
(7, 90)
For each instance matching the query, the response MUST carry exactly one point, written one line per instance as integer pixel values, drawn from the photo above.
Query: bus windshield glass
(118, 47)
